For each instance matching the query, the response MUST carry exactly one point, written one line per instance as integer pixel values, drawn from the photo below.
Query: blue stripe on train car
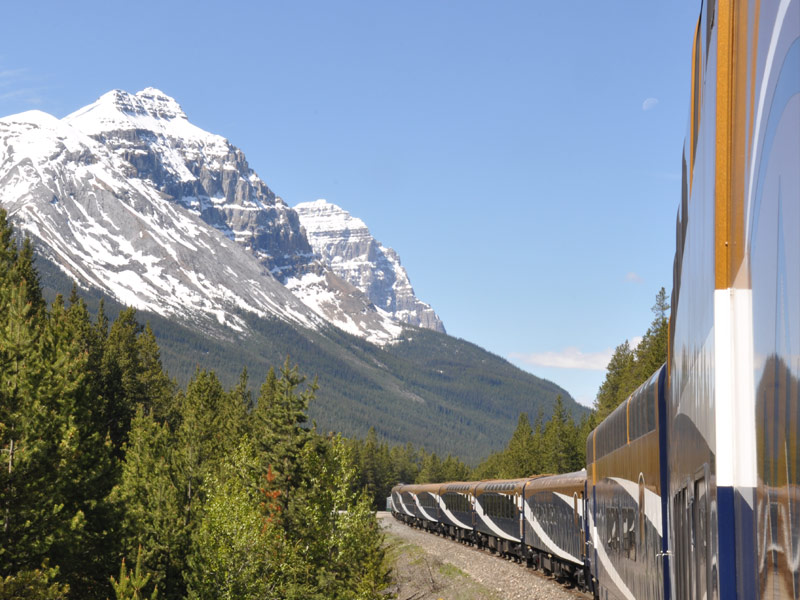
(726, 531)
(664, 463)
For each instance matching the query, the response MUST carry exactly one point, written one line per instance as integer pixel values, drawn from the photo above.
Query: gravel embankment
(429, 567)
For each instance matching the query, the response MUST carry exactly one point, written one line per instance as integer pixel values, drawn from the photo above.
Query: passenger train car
(537, 520)
(626, 473)
(732, 398)
(692, 487)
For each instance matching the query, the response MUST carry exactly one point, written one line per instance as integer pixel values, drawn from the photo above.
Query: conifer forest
(115, 483)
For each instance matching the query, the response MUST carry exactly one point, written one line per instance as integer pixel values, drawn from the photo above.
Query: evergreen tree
(152, 498)
(619, 381)
(58, 468)
(37, 584)
(452, 470)
(519, 457)
(280, 416)
(558, 436)
(628, 369)
(158, 391)
(121, 369)
(404, 463)
(651, 352)
(431, 470)
(130, 584)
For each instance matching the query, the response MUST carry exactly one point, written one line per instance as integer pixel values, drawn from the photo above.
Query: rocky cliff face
(201, 171)
(348, 248)
(128, 196)
(109, 229)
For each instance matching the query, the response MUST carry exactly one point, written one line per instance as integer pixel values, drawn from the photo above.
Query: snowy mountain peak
(345, 243)
(127, 196)
(149, 102)
(149, 110)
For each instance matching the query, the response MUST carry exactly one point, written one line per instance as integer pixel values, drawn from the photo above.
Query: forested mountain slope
(430, 389)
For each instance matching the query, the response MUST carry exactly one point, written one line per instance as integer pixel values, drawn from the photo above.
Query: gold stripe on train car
(753, 62)
(730, 143)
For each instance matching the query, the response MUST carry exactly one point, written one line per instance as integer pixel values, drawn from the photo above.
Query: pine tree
(121, 370)
(158, 391)
(130, 584)
(58, 467)
(558, 440)
(619, 382)
(651, 352)
(152, 497)
(431, 470)
(280, 415)
(519, 457)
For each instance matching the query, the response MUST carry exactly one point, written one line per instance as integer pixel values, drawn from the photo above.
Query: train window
(612, 529)
(629, 532)
(652, 399)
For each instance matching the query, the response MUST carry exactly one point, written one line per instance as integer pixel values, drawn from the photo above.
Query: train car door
(690, 507)
(682, 508)
(702, 552)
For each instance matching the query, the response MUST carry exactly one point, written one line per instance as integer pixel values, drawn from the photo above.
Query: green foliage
(131, 584)
(57, 467)
(38, 584)
(555, 447)
(104, 460)
(152, 497)
(231, 546)
(628, 369)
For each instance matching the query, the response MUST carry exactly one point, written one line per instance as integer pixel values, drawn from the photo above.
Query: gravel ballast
(429, 567)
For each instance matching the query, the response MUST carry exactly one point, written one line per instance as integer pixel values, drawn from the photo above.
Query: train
(692, 486)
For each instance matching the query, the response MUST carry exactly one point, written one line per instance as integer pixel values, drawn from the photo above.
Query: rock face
(201, 171)
(109, 229)
(348, 248)
(126, 195)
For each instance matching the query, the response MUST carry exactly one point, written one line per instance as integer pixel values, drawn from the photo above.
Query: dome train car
(626, 472)
(707, 503)
(732, 399)
(536, 520)
(555, 526)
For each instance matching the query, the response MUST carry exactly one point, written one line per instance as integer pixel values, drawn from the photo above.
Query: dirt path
(428, 567)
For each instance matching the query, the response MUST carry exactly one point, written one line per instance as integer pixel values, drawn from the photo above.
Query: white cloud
(634, 277)
(569, 358)
(649, 104)
(15, 85)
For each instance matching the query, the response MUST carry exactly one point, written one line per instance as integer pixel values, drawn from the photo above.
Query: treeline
(380, 467)
(115, 483)
(629, 368)
(557, 446)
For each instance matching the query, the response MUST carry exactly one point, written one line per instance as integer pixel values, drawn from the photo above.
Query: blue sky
(523, 158)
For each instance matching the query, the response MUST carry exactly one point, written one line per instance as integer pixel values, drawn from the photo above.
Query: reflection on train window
(612, 528)
(427, 500)
(628, 526)
(499, 506)
(456, 502)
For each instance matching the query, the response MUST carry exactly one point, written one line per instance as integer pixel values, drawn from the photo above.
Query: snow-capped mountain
(126, 195)
(348, 248)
